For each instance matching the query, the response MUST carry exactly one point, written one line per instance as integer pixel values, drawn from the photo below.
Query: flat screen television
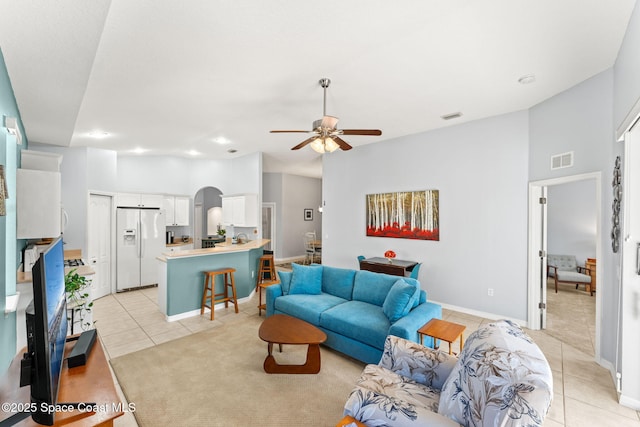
(46, 319)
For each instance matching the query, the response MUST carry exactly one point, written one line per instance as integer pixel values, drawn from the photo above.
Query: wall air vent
(451, 116)
(564, 160)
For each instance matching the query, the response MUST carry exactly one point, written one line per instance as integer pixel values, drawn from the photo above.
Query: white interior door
(99, 243)
(630, 244)
(537, 256)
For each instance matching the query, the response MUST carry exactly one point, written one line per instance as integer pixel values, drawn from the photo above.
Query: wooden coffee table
(283, 329)
(442, 330)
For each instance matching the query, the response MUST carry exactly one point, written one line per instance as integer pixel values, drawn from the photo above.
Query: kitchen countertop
(83, 270)
(179, 242)
(220, 248)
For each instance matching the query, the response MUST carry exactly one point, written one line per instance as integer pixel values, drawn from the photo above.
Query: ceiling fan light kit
(326, 137)
(324, 145)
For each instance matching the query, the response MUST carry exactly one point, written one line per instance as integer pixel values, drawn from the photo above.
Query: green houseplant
(76, 287)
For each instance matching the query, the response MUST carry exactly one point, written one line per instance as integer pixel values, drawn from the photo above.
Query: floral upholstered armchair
(500, 379)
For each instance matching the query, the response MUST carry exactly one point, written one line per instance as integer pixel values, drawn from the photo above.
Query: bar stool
(208, 293)
(266, 277)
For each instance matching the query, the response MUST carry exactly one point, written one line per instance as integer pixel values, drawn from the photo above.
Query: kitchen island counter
(220, 248)
(181, 280)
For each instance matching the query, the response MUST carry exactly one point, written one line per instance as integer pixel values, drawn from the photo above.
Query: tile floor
(584, 392)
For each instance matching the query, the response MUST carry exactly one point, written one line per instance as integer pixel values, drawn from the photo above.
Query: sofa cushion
(285, 281)
(572, 276)
(563, 262)
(338, 281)
(305, 306)
(357, 320)
(373, 287)
(399, 300)
(501, 377)
(382, 397)
(415, 361)
(306, 279)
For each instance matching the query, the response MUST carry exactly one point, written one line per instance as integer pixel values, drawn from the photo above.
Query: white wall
(172, 175)
(626, 94)
(581, 120)
(480, 169)
(572, 222)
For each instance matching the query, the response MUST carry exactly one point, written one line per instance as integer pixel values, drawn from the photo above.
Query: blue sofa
(357, 309)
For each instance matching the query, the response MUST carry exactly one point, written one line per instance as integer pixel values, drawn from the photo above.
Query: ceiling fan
(326, 137)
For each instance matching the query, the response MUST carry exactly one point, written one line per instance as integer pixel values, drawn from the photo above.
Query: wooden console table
(397, 267)
(89, 383)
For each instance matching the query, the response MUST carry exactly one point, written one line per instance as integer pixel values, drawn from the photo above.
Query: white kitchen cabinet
(38, 204)
(240, 210)
(176, 210)
(135, 200)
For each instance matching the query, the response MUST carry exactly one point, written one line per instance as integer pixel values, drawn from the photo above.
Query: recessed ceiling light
(138, 150)
(527, 79)
(221, 140)
(98, 134)
(193, 153)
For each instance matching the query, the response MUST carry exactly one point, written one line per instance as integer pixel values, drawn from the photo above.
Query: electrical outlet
(490, 292)
(253, 273)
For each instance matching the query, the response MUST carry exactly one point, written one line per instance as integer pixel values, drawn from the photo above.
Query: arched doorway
(206, 198)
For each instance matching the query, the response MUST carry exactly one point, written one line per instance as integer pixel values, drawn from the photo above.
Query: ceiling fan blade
(288, 131)
(371, 132)
(329, 122)
(342, 143)
(303, 143)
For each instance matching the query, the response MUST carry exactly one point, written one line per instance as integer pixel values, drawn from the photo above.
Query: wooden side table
(590, 263)
(442, 330)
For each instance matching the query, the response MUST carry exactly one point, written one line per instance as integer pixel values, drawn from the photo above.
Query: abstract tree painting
(404, 215)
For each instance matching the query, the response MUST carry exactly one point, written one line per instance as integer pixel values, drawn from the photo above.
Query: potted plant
(78, 298)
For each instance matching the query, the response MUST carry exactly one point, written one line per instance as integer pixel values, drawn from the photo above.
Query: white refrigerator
(141, 238)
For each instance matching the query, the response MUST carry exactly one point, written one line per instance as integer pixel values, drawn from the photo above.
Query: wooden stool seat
(266, 277)
(208, 293)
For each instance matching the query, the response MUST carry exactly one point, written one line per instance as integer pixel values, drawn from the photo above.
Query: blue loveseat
(357, 309)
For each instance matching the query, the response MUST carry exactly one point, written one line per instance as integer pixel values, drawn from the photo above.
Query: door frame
(272, 206)
(537, 225)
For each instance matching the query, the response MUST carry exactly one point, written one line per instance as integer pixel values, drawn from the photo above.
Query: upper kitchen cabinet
(133, 200)
(240, 210)
(176, 210)
(38, 204)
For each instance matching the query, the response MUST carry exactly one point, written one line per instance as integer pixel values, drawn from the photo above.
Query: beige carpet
(215, 378)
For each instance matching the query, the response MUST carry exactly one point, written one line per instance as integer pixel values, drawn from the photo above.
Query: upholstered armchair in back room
(565, 269)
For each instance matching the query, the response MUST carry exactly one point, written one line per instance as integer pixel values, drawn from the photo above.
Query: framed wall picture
(404, 215)
(308, 214)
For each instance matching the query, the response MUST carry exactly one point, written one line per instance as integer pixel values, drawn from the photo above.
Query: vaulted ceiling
(198, 78)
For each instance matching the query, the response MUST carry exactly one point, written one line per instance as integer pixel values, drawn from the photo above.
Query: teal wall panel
(185, 279)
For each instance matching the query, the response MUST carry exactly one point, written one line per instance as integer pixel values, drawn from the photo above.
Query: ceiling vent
(451, 116)
(564, 160)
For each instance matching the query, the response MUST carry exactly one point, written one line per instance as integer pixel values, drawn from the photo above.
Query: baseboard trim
(477, 313)
(290, 259)
(629, 402)
(193, 313)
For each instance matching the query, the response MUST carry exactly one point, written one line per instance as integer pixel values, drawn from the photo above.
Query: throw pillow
(399, 300)
(306, 279)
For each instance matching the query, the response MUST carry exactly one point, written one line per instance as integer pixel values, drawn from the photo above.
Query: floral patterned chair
(500, 379)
